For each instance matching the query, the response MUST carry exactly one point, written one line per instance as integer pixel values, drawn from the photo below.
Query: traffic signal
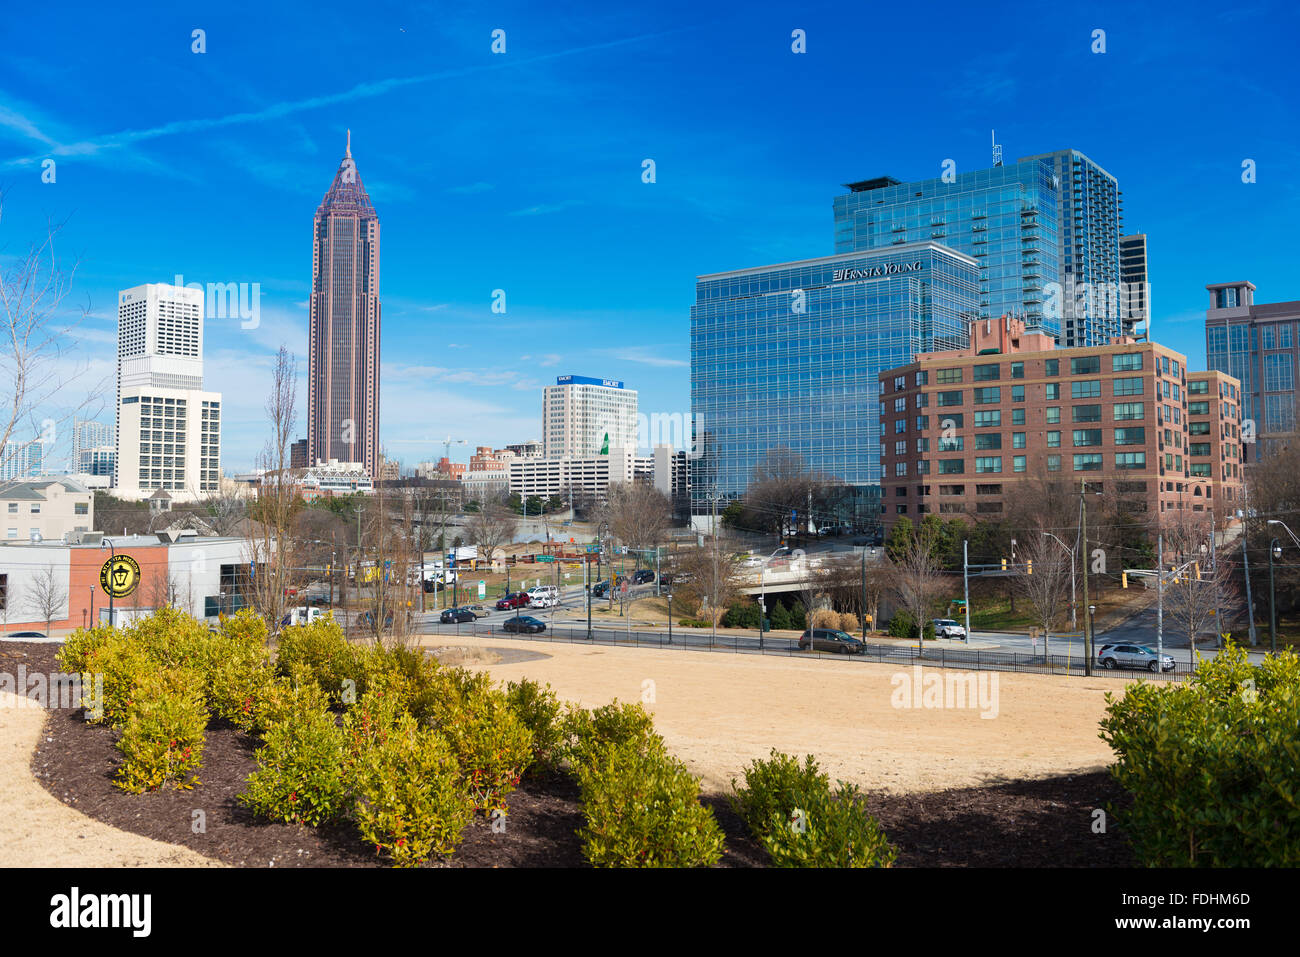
(1031, 567)
(1123, 579)
(1004, 564)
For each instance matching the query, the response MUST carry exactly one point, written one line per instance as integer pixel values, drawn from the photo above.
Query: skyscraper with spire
(343, 351)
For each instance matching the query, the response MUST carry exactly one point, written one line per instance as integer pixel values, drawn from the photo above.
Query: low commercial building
(966, 431)
(69, 583)
(567, 476)
(46, 509)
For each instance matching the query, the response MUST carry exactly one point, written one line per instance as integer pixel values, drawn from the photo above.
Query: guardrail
(934, 656)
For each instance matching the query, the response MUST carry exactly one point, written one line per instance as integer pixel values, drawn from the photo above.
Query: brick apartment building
(963, 430)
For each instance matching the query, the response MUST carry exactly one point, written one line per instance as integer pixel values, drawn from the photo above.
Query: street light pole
(112, 553)
(1273, 549)
(1083, 532)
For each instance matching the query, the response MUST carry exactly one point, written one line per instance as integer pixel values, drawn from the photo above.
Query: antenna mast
(997, 149)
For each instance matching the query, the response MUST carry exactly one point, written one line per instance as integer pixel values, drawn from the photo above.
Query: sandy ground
(719, 711)
(36, 830)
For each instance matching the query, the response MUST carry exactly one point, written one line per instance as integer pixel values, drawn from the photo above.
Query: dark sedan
(833, 640)
(525, 624)
(455, 616)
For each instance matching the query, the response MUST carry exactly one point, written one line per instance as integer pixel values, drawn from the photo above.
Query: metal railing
(933, 656)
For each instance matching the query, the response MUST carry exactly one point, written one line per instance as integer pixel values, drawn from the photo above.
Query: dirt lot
(719, 711)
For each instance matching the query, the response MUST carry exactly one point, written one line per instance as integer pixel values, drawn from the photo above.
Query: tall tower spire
(349, 152)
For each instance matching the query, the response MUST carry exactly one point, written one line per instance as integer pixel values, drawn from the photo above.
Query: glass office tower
(788, 356)
(1007, 218)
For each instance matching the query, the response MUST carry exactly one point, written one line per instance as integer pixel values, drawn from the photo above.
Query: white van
(303, 615)
(543, 596)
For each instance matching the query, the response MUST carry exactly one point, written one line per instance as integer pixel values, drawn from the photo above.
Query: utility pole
(1214, 564)
(713, 610)
(965, 579)
(1245, 567)
(864, 596)
(1083, 556)
(1160, 602)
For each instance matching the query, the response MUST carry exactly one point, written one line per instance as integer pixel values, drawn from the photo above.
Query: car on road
(524, 623)
(947, 628)
(831, 639)
(25, 634)
(543, 591)
(478, 610)
(512, 601)
(600, 589)
(1119, 655)
(643, 576)
(543, 601)
(454, 616)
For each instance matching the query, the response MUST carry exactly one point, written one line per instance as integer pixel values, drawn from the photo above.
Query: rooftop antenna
(349, 153)
(997, 148)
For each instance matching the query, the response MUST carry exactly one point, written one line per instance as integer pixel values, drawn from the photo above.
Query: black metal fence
(901, 654)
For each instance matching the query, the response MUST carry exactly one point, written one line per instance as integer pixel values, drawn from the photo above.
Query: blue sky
(522, 171)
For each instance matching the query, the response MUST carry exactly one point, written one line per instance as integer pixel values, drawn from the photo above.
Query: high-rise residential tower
(1135, 299)
(1045, 231)
(343, 351)
(168, 427)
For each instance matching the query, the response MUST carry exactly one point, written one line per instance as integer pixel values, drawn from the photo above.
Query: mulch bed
(1019, 823)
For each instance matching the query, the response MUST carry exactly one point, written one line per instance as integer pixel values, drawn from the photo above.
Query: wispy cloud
(471, 189)
(543, 208)
(643, 357)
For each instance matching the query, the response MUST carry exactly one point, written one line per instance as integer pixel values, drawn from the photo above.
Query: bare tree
(47, 596)
(270, 537)
(916, 581)
(9, 600)
(1044, 580)
(390, 539)
(783, 486)
(855, 586)
(1195, 599)
(37, 338)
(638, 514)
(492, 529)
(225, 512)
(708, 578)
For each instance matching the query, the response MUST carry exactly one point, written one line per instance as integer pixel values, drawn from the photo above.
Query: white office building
(573, 475)
(168, 427)
(584, 417)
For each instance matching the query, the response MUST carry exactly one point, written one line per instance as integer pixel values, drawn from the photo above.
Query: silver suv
(947, 628)
(1132, 656)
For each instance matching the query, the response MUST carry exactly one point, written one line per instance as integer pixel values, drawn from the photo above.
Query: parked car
(514, 600)
(524, 623)
(454, 616)
(543, 591)
(543, 601)
(947, 628)
(25, 635)
(600, 589)
(1132, 656)
(478, 610)
(643, 576)
(831, 639)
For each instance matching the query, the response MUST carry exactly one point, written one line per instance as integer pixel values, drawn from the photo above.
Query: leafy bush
(849, 622)
(641, 809)
(780, 618)
(162, 738)
(541, 713)
(611, 724)
(742, 614)
(902, 625)
(79, 649)
(409, 673)
(410, 799)
(491, 742)
(286, 697)
(792, 811)
(241, 683)
(694, 622)
(798, 616)
(172, 638)
(300, 770)
(123, 664)
(322, 648)
(834, 829)
(1211, 764)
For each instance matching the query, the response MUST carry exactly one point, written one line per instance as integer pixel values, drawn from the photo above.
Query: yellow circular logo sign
(119, 576)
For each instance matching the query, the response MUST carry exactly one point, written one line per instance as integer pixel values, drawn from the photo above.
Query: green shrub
(288, 696)
(123, 664)
(325, 652)
(780, 618)
(171, 638)
(694, 622)
(902, 625)
(1211, 764)
(80, 648)
(540, 711)
(741, 614)
(830, 829)
(410, 800)
(241, 682)
(611, 724)
(792, 811)
(798, 616)
(491, 743)
(641, 809)
(162, 737)
(300, 770)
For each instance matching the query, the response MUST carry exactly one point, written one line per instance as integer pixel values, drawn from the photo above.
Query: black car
(831, 639)
(26, 634)
(643, 576)
(454, 616)
(600, 589)
(524, 624)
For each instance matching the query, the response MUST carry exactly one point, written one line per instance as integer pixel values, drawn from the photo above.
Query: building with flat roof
(568, 476)
(46, 509)
(1044, 231)
(1259, 345)
(967, 431)
(582, 416)
(1135, 283)
(787, 357)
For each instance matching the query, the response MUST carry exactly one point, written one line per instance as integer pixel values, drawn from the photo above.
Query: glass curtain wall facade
(1006, 218)
(1088, 237)
(788, 357)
